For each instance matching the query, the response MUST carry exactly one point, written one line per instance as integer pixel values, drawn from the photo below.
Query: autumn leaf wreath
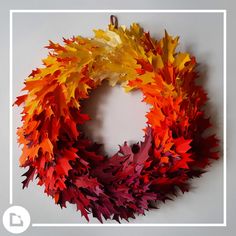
(71, 167)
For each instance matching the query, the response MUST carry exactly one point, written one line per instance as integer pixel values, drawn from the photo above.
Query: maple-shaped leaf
(182, 163)
(46, 146)
(143, 153)
(63, 166)
(82, 203)
(63, 162)
(169, 45)
(182, 145)
(87, 183)
(29, 176)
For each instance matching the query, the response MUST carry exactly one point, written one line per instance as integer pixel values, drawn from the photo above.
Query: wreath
(72, 167)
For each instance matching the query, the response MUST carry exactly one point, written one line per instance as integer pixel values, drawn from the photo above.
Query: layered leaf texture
(71, 167)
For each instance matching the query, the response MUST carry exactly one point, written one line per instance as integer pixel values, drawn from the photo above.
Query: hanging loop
(114, 21)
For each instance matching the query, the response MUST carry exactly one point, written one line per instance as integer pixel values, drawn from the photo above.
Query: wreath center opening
(116, 116)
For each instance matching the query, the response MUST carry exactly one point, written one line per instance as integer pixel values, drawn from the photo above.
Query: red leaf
(29, 176)
(63, 166)
(182, 145)
(143, 154)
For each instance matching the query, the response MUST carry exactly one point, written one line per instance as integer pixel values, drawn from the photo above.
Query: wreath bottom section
(125, 184)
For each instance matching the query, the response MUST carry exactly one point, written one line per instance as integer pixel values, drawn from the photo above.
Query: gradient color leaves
(71, 167)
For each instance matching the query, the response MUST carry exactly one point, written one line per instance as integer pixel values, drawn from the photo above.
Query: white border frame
(222, 11)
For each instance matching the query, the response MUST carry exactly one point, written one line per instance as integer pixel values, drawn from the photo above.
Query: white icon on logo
(16, 219)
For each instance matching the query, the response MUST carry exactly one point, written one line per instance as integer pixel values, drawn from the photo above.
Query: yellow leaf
(157, 62)
(169, 45)
(181, 59)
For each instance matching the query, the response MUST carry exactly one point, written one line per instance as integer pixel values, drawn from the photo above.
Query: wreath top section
(120, 54)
